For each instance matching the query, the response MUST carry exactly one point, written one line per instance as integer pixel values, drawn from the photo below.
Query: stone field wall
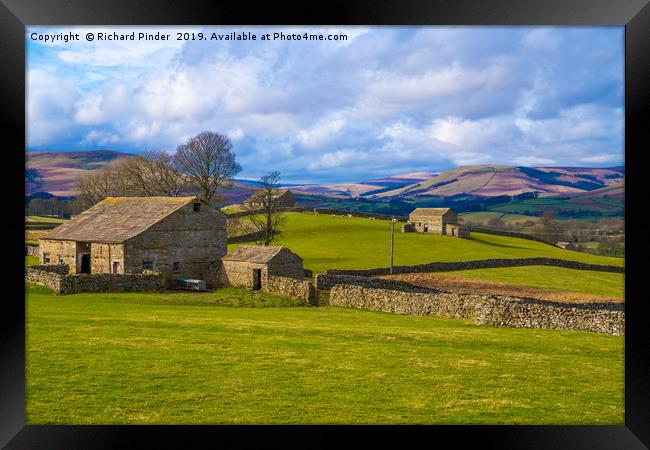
(57, 279)
(303, 290)
(480, 264)
(497, 311)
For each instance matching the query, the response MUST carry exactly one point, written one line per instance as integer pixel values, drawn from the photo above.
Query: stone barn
(442, 221)
(251, 266)
(283, 199)
(180, 237)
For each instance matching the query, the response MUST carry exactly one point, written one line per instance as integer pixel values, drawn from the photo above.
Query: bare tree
(151, 174)
(268, 218)
(147, 175)
(209, 163)
(96, 185)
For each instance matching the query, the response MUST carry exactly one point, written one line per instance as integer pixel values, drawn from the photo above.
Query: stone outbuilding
(283, 198)
(442, 221)
(251, 266)
(180, 237)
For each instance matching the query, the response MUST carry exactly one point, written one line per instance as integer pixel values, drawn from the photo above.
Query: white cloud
(533, 161)
(601, 158)
(389, 98)
(321, 133)
(542, 39)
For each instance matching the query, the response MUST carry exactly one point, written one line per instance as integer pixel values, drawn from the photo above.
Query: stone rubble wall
(365, 215)
(257, 211)
(497, 311)
(327, 281)
(515, 234)
(303, 290)
(48, 276)
(57, 279)
(480, 264)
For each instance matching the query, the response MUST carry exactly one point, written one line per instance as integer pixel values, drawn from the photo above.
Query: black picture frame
(15, 15)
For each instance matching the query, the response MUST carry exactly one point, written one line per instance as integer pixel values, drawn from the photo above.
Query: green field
(554, 278)
(484, 217)
(43, 219)
(326, 242)
(187, 358)
(585, 209)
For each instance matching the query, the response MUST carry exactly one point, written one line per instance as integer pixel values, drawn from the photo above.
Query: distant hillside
(363, 188)
(55, 172)
(567, 191)
(497, 180)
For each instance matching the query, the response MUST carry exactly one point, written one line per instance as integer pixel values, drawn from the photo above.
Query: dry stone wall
(491, 310)
(480, 264)
(302, 290)
(327, 281)
(530, 237)
(57, 279)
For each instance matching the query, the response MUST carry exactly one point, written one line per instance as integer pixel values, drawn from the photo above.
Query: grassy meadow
(43, 219)
(234, 356)
(224, 358)
(326, 242)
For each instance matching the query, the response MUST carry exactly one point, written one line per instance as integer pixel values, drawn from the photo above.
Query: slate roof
(116, 219)
(429, 212)
(254, 253)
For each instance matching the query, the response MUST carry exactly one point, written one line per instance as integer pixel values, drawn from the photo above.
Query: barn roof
(428, 212)
(116, 219)
(254, 253)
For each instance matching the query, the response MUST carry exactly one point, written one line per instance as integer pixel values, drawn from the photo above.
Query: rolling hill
(497, 180)
(55, 172)
(504, 188)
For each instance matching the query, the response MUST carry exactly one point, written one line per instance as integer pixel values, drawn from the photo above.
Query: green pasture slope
(43, 219)
(187, 358)
(326, 242)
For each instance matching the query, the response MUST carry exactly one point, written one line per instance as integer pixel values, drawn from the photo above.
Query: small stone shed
(442, 221)
(180, 237)
(283, 198)
(251, 266)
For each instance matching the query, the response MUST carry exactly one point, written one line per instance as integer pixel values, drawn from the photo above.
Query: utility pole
(392, 242)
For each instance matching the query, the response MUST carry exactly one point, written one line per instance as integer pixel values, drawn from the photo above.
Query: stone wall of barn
(102, 257)
(240, 273)
(286, 264)
(60, 252)
(432, 224)
(31, 250)
(194, 239)
(498, 311)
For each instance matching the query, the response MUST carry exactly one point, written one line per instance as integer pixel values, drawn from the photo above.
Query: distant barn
(180, 237)
(436, 220)
(283, 198)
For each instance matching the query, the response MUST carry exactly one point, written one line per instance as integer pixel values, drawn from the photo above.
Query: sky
(384, 101)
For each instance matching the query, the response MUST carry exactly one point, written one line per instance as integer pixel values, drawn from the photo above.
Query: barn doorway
(85, 263)
(116, 267)
(257, 279)
(426, 228)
